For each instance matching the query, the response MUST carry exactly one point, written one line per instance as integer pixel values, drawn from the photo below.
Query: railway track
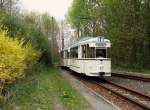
(139, 99)
(129, 76)
(128, 94)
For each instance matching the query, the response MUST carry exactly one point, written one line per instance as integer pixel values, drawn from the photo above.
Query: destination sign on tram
(100, 44)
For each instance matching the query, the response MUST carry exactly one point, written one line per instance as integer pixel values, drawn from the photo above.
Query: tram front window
(100, 53)
(92, 52)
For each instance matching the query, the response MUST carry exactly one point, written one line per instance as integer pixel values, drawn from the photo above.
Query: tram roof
(87, 40)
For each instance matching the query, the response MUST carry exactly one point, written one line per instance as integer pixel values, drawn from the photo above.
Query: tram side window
(88, 52)
(68, 55)
(92, 52)
(83, 51)
(100, 53)
(64, 54)
(61, 53)
(71, 53)
(74, 52)
(108, 53)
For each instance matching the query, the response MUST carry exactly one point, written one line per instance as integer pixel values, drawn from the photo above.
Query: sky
(56, 8)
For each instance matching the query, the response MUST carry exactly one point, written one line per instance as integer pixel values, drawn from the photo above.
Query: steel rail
(135, 77)
(144, 106)
(123, 96)
(129, 89)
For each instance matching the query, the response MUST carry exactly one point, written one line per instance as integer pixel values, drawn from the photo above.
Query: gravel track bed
(95, 101)
(116, 100)
(132, 73)
(140, 86)
(129, 94)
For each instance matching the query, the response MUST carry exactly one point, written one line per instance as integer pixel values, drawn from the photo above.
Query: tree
(30, 27)
(85, 16)
(126, 23)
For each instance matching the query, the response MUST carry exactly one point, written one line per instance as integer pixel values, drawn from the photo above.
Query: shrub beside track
(15, 57)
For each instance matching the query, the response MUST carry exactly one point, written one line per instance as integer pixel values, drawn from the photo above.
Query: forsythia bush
(14, 58)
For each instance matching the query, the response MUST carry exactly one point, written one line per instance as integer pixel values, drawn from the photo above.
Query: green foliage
(36, 96)
(13, 24)
(32, 27)
(126, 27)
(14, 58)
(85, 16)
(125, 22)
(68, 95)
(50, 24)
(51, 29)
(45, 84)
(25, 41)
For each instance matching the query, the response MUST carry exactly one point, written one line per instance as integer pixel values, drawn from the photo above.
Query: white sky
(56, 8)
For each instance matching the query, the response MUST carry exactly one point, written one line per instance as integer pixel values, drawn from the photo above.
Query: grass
(32, 93)
(37, 89)
(69, 96)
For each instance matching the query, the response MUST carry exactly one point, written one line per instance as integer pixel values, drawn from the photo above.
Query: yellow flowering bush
(14, 58)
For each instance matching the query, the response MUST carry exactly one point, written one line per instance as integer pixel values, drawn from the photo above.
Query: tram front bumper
(100, 74)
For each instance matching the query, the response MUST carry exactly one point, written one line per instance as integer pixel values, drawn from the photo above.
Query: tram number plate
(100, 44)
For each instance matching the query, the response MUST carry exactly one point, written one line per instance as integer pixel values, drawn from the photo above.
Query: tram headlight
(101, 67)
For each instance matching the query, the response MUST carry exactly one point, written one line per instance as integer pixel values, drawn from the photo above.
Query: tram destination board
(100, 44)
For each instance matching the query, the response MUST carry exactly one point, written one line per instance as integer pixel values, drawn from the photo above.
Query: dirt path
(58, 105)
(95, 102)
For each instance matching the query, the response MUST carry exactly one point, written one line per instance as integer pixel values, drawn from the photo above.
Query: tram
(88, 56)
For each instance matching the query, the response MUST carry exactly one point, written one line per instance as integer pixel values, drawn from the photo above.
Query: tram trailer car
(88, 56)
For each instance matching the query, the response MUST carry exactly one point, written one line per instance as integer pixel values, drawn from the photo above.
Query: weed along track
(124, 97)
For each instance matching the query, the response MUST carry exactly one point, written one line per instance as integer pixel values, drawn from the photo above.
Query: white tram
(88, 56)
